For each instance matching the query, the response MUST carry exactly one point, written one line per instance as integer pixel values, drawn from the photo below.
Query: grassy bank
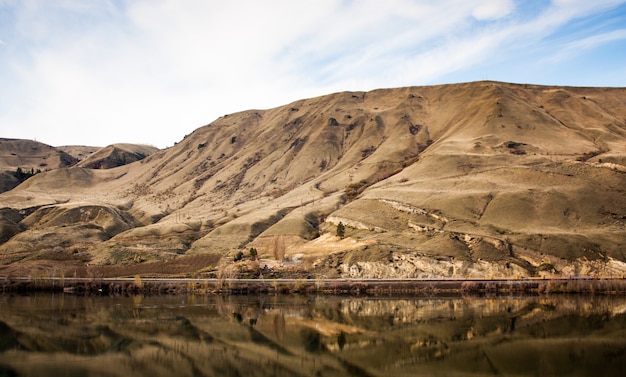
(373, 287)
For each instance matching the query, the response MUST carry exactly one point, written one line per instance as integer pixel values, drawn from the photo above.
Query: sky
(98, 72)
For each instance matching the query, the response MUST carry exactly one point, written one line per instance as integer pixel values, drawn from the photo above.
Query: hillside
(29, 157)
(480, 179)
(116, 155)
(29, 154)
(20, 159)
(79, 152)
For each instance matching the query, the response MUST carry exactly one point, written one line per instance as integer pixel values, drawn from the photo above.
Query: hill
(116, 155)
(79, 152)
(29, 154)
(482, 179)
(19, 159)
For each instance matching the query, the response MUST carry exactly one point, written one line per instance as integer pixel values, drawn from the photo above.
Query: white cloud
(580, 46)
(597, 40)
(493, 9)
(152, 71)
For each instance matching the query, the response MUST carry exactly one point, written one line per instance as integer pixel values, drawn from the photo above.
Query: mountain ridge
(474, 179)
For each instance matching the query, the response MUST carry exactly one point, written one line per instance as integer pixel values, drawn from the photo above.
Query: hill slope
(478, 179)
(20, 159)
(116, 155)
(80, 152)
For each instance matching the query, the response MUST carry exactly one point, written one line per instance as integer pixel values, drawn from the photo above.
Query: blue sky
(97, 72)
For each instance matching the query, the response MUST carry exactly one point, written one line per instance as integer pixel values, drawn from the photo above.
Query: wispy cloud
(578, 46)
(151, 71)
(493, 9)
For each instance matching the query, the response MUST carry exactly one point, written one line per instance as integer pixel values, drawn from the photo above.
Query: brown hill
(29, 154)
(479, 179)
(19, 159)
(79, 152)
(116, 155)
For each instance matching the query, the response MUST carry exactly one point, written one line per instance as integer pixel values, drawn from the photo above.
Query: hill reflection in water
(65, 335)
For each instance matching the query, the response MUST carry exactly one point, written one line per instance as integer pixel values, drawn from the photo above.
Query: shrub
(23, 175)
(368, 151)
(238, 256)
(354, 189)
(138, 282)
(589, 155)
(279, 248)
(341, 230)
(253, 253)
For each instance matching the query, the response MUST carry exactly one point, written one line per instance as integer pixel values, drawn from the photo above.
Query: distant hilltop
(20, 159)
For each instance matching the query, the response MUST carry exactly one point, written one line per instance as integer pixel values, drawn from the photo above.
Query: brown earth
(32, 155)
(79, 152)
(20, 159)
(482, 179)
(116, 155)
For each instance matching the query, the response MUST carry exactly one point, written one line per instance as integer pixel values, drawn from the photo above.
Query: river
(298, 335)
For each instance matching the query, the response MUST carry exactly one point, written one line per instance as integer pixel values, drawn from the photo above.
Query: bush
(341, 230)
(354, 189)
(23, 175)
(238, 256)
(253, 253)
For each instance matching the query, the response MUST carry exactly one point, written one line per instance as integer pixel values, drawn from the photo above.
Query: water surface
(68, 335)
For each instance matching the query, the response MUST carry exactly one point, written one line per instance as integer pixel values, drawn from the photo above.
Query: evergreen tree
(341, 230)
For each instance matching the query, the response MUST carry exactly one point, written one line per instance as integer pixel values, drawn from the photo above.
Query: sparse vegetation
(341, 230)
(226, 282)
(23, 175)
(354, 189)
(313, 219)
(589, 155)
(311, 164)
(253, 253)
(278, 249)
(138, 282)
(368, 151)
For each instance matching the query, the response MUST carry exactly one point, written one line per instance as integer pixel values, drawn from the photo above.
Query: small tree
(253, 253)
(279, 248)
(341, 230)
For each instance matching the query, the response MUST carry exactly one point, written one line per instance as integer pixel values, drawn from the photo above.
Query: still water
(68, 335)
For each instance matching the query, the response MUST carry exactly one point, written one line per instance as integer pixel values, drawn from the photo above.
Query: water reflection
(66, 335)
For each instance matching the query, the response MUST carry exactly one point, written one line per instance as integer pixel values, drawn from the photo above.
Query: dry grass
(480, 164)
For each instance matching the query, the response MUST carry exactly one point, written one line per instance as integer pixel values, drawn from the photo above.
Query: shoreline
(357, 287)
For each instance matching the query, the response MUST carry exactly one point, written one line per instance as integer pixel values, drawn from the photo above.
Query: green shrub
(341, 230)
(238, 256)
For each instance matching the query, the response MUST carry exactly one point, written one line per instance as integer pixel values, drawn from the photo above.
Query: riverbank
(375, 287)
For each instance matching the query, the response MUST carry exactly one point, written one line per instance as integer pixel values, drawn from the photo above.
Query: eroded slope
(478, 179)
